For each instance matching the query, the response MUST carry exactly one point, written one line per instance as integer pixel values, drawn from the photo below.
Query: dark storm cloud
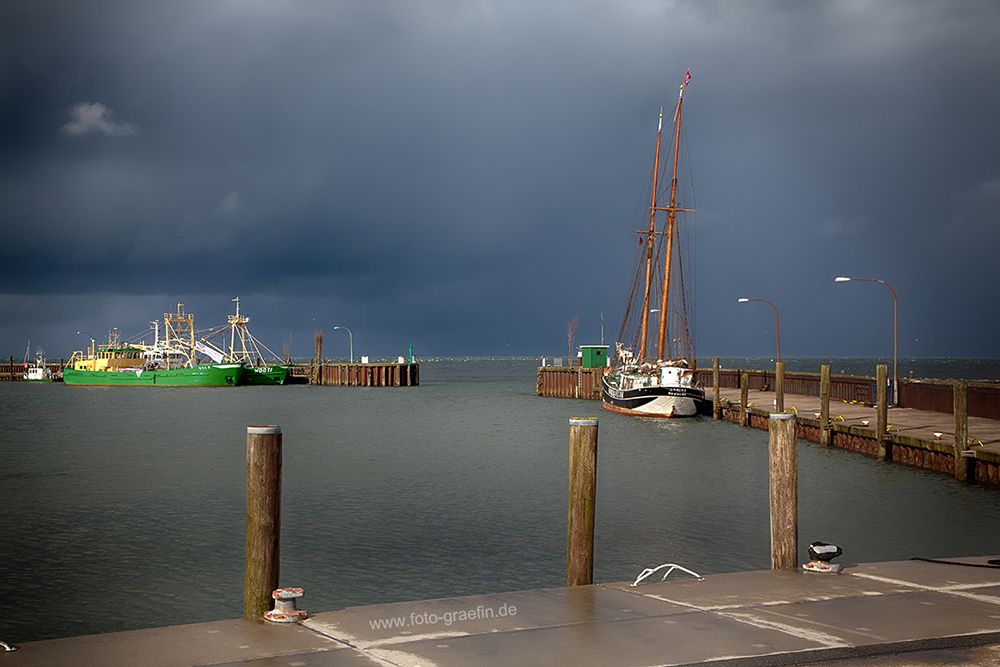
(464, 174)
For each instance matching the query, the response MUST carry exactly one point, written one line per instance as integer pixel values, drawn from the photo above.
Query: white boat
(38, 370)
(651, 375)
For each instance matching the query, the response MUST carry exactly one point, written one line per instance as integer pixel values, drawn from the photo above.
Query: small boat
(237, 345)
(651, 375)
(38, 370)
(168, 362)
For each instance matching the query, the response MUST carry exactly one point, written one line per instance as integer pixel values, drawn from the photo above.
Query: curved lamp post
(777, 323)
(895, 332)
(92, 351)
(351, 339)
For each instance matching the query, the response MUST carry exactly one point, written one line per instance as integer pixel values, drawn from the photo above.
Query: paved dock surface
(920, 424)
(891, 614)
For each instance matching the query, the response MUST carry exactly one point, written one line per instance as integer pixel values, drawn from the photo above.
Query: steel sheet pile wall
(370, 375)
(11, 371)
(570, 382)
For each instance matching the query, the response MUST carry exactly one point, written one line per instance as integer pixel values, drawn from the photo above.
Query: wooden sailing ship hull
(660, 402)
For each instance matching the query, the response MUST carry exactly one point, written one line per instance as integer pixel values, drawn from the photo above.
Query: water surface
(124, 507)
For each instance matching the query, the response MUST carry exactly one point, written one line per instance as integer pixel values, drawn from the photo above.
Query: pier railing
(932, 395)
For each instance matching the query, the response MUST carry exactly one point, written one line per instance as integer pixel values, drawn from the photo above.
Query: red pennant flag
(687, 77)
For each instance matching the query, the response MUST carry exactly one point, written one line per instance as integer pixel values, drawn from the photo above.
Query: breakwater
(379, 374)
(570, 382)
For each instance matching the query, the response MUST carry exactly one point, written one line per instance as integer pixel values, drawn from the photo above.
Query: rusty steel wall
(370, 375)
(570, 382)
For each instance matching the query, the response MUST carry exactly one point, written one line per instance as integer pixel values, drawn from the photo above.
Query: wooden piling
(779, 386)
(783, 459)
(824, 405)
(961, 410)
(716, 405)
(882, 417)
(582, 501)
(263, 519)
(317, 369)
(744, 397)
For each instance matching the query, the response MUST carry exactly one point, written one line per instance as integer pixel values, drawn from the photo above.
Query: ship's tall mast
(650, 245)
(671, 218)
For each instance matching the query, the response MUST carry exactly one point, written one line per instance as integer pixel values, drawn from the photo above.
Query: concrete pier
(921, 438)
(896, 613)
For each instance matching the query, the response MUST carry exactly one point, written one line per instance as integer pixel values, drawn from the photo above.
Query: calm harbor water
(124, 508)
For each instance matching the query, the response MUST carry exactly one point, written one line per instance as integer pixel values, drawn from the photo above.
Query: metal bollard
(285, 610)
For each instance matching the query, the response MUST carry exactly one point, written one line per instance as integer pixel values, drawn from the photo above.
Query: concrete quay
(894, 613)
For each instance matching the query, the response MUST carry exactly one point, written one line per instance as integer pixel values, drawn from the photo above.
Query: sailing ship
(237, 345)
(651, 375)
(170, 361)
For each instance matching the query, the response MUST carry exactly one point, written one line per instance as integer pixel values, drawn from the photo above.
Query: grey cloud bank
(464, 175)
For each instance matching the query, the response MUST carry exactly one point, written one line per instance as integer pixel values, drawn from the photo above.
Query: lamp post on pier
(351, 339)
(777, 323)
(92, 349)
(895, 332)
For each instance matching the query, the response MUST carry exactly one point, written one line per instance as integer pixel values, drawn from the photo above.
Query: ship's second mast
(650, 246)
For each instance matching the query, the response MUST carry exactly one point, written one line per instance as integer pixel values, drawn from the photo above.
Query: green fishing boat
(233, 342)
(170, 362)
(204, 375)
(274, 374)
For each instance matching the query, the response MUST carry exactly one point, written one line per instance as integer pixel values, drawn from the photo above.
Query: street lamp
(777, 323)
(895, 332)
(92, 341)
(351, 339)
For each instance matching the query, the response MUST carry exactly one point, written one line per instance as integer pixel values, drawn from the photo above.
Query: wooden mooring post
(744, 398)
(716, 403)
(824, 405)
(779, 386)
(961, 410)
(582, 501)
(882, 414)
(784, 478)
(263, 519)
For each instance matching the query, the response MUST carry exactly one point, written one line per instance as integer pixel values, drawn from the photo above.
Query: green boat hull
(257, 375)
(208, 375)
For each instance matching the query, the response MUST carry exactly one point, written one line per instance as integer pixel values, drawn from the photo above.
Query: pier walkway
(917, 424)
(895, 613)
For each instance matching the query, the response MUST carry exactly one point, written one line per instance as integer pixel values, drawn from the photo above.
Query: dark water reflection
(123, 508)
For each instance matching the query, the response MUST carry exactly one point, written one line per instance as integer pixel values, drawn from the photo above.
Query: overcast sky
(464, 176)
